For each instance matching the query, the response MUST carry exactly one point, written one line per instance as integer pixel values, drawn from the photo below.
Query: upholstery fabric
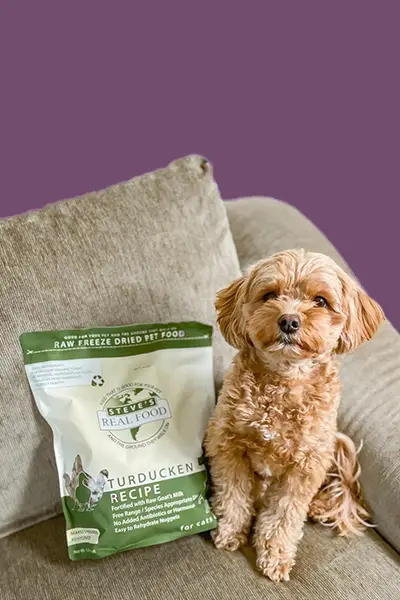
(154, 249)
(370, 406)
(34, 565)
(34, 562)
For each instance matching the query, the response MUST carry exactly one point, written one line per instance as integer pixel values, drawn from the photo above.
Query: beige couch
(34, 563)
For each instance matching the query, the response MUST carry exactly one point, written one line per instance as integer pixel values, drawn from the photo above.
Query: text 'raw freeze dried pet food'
(128, 407)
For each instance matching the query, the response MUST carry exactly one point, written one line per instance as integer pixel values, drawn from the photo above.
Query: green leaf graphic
(134, 432)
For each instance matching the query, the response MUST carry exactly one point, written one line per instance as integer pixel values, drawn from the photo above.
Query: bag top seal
(103, 342)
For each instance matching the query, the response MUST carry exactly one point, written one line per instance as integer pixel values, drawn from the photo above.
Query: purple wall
(299, 100)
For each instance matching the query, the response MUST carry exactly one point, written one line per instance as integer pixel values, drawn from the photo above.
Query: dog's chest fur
(283, 422)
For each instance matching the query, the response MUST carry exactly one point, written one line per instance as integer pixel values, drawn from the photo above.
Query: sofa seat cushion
(34, 565)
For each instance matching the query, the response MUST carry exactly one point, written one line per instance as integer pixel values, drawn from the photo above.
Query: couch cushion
(35, 565)
(154, 249)
(370, 406)
(262, 226)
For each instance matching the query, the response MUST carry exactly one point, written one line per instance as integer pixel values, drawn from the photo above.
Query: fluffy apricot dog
(274, 451)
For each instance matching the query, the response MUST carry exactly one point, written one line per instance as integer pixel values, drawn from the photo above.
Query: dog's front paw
(225, 538)
(274, 569)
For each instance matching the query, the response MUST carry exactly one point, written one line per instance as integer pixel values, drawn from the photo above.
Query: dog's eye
(269, 296)
(320, 302)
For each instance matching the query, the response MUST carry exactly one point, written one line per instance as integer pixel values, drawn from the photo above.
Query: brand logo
(134, 414)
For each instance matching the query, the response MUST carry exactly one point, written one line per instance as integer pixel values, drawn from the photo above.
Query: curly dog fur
(274, 451)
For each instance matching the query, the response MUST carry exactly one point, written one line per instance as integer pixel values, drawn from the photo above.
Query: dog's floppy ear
(229, 312)
(364, 316)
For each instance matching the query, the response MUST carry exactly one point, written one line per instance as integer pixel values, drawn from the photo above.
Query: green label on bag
(128, 407)
(112, 341)
(138, 516)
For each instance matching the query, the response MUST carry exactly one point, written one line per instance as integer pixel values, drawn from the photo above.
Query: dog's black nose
(289, 323)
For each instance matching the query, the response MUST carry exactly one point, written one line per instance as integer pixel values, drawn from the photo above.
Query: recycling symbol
(97, 380)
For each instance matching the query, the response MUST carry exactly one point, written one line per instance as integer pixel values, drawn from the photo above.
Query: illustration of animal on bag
(85, 490)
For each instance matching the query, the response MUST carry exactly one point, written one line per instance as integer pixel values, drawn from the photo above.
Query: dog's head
(297, 305)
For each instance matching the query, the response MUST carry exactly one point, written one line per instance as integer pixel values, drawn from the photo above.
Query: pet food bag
(128, 407)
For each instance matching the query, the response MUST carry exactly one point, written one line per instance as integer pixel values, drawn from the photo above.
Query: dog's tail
(339, 503)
